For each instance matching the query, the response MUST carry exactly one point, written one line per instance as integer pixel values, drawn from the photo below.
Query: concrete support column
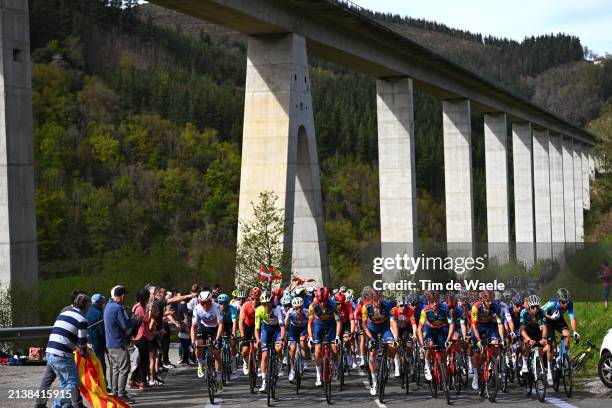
(396, 166)
(578, 201)
(523, 192)
(279, 149)
(568, 193)
(586, 184)
(557, 213)
(591, 165)
(541, 188)
(496, 171)
(18, 254)
(458, 175)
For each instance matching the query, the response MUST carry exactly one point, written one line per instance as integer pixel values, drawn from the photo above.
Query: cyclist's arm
(475, 323)
(219, 324)
(394, 327)
(451, 329)
(572, 316)
(257, 324)
(241, 321)
(548, 308)
(420, 333)
(500, 328)
(310, 321)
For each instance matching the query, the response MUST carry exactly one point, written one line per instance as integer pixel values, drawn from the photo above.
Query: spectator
(49, 375)
(195, 290)
(95, 330)
(182, 317)
(143, 339)
(606, 280)
(69, 333)
(118, 326)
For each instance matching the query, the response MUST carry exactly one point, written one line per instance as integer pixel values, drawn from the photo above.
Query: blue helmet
(223, 299)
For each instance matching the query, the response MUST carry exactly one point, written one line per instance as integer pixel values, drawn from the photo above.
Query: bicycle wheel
(443, 377)
(382, 376)
(226, 363)
(327, 376)
(407, 364)
(493, 382)
(297, 369)
(567, 376)
(276, 362)
(540, 380)
(341, 365)
(252, 371)
(454, 378)
(417, 367)
(269, 386)
(210, 380)
(433, 384)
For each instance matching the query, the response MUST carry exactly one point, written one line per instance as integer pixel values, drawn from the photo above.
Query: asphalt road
(184, 389)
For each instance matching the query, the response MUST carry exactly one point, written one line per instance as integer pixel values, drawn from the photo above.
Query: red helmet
(487, 296)
(255, 293)
(322, 294)
(432, 296)
(340, 298)
(451, 299)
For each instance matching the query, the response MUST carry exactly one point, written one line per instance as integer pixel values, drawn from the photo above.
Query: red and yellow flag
(93, 385)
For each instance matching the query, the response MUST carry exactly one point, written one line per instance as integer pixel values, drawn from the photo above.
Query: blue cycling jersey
(553, 305)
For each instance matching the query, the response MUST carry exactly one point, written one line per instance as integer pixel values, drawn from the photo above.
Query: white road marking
(559, 402)
(381, 405)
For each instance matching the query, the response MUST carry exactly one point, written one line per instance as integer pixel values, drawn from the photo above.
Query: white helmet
(349, 297)
(342, 289)
(299, 290)
(297, 301)
(310, 289)
(204, 296)
(533, 300)
(286, 300)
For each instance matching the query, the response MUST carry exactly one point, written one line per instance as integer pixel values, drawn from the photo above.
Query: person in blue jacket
(95, 330)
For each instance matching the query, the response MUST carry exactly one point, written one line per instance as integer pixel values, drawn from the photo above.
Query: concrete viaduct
(551, 160)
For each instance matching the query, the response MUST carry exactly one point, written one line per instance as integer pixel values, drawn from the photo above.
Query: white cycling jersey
(207, 318)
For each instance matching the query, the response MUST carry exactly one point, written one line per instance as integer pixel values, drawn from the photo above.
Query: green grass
(593, 323)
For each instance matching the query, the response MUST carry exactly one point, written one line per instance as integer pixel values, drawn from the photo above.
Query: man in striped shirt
(69, 333)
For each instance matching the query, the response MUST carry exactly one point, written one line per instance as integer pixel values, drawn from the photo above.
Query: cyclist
(534, 332)
(269, 329)
(296, 321)
(238, 299)
(309, 296)
(323, 323)
(435, 327)
(345, 311)
(230, 322)
(378, 320)
(350, 299)
(554, 311)
(456, 313)
(486, 322)
(406, 326)
(207, 323)
(246, 323)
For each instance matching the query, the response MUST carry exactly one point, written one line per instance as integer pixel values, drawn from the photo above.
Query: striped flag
(93, 385)
(269, 273)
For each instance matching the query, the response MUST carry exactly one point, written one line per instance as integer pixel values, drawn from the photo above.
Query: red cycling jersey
(249, 314)
(403, 319)
(346, 312)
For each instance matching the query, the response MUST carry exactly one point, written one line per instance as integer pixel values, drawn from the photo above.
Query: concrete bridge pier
(557, 215)
(457, 127)
(18, 254)
(586, 185)
(523, 192)
(568, 195)
(396, 168)
(541, 188)
(578, 201)
(279, 149)
(496, 172)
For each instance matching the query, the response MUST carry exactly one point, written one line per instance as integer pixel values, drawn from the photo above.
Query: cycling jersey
(481, 315)
(405, 319)
(248, 314)
(553, 305)
(207, 318)
(502, 310)
(345, 311)
(527, 319)
(377, 315)
(272, 318)
(514, 317)
(296, 323)
(317, 312)
(433, 319)
(230, 315)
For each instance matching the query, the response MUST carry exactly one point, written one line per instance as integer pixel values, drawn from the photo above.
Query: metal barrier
(24, 333)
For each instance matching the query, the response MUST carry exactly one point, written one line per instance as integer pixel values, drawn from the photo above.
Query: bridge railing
(349, 4)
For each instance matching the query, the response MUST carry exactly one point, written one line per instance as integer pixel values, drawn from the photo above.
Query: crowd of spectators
(132, 341)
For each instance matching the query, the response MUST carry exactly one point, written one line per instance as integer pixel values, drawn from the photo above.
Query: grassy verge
(593, 323)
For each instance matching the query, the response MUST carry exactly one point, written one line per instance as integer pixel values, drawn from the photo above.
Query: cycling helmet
(533, 300)
(340, 298)
(487, 296)
(205, 296)
(322, 294)
(451, 299)
(518, 300)
(342, 289)
(215, 294)
(563, 295)
(223, 299)
(334, 291)
(297, 302)
(234, 293)
(351, 291)
(349, 297)
(278, 292)
(286, 292)
(240, 294)
(286, 300)
(255, 293)
(432, 296)
(310, 289)
(299, 291)
(413, 299)
(365, 291)
(265, 297)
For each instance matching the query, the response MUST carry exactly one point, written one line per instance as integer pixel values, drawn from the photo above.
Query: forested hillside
(138, 129)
